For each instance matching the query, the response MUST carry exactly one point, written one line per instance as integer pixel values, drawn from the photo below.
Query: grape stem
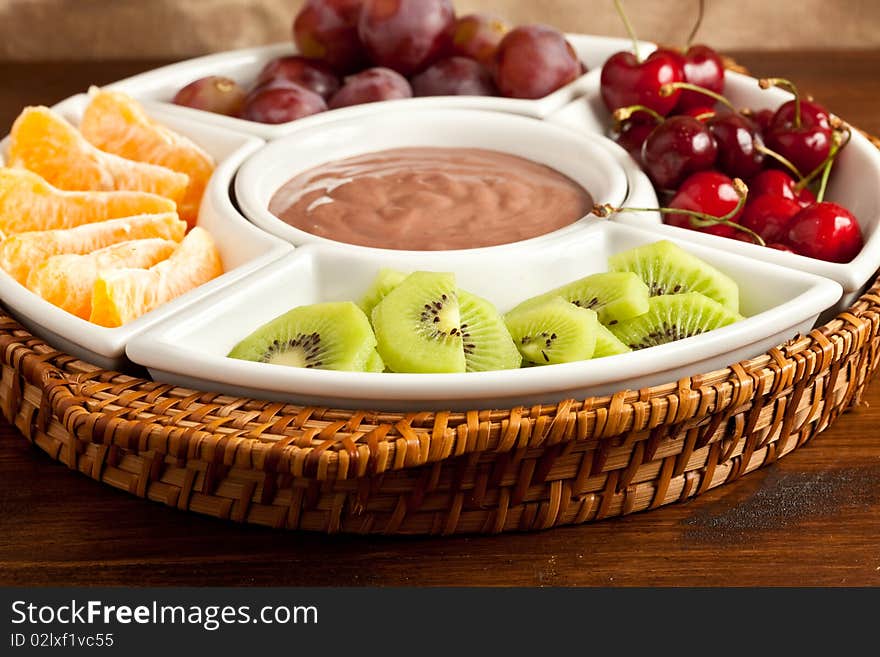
(629, 29)
(697, 219)
(668, 88)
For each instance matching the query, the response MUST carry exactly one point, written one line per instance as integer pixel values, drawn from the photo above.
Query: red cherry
(778, 183)
(825, 231)
(763, 118)
(676, 148)
(813, 115)
(632, 137)
(703, 67)
(625, 81)
(769, 215)
(781, 247)
(709, 192)
(700, 112)
(800, 130)
(806, 148)
(739, 144)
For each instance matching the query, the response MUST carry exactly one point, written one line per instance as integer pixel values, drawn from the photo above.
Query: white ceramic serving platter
(855, 184)
(779, 303)
(160, 86)
(243, 248)
(583, 158)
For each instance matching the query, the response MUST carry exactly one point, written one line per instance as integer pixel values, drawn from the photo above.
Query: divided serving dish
(651, 427)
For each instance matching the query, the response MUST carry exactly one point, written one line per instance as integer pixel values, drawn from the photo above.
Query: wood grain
(811, 519)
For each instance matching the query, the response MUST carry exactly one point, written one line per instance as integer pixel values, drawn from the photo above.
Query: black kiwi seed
(664, 335)
(431, 316)
(310, 344)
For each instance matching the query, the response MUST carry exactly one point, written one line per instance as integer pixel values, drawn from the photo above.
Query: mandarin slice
(45, 143)
(121, 295)
(116, 123)
(67, 280)
(28, 202)
(19, 254)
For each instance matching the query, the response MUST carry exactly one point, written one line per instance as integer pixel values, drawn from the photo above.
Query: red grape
(309, 73)
(455, 76)
(282, 103)
(533, 61)
(212, 94)
(327, 30)
(477, 36)
(406, 35)
(370, 86)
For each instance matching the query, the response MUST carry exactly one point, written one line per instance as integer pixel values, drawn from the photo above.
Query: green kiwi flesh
(607, 344)
(486, 341)
(331, 336)
(668, 269)
(385, 281)
(673, 317)
(554, 331)
(417, 325)
(614, 296)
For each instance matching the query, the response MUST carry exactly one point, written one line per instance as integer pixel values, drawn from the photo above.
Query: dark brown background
(813, 518)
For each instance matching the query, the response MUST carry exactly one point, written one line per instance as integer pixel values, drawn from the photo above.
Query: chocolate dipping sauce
(430, 199)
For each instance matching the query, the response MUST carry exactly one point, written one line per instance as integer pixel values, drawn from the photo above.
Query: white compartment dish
(189, 349)
(161, 84)
(243, 249)
(855, 184)
(583, 158)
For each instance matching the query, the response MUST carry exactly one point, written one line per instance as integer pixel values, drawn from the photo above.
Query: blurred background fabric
(163, 29)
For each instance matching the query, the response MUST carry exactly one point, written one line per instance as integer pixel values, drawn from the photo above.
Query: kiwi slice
(385, 281)
(486, 340)
(330, 336)
(669, 269)
(607, 344)
(375, 363)
(554, 331)
(673, 317)
(614, 296)
(418, 325)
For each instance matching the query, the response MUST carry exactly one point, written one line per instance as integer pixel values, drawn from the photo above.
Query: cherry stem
(779, 158)
(629, 28)
(621, 114)
(696, 26)
(697, 219)
(704, 116)
(669, 87)
(840, 138)
(788, 85)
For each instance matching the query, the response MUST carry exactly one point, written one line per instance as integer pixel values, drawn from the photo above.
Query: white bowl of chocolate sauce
(429, 180)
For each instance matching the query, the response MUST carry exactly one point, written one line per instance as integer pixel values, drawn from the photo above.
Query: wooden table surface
(811, 519)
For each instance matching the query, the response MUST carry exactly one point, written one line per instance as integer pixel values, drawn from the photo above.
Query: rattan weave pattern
(484, 471)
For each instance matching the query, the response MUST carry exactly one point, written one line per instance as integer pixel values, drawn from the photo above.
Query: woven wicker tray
(485, 471)
(482, 471)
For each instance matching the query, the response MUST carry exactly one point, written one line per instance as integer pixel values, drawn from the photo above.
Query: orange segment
(21, 253)
(67, 280)
(121, 295)
(116, 123)
(28, 202)
(48, 145)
